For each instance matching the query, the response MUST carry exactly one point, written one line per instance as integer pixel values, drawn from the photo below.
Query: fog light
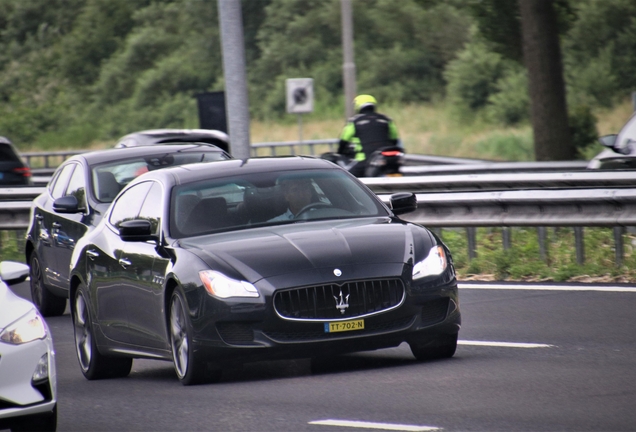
(41, 370)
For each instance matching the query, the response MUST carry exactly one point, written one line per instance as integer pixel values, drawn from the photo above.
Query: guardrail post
(618, 245)
(506, 236)
(579, 245)
(542, 234)
(471, 235)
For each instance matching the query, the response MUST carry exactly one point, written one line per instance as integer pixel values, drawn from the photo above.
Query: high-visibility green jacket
(365, 133)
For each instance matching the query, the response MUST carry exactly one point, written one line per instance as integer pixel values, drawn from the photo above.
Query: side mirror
(403, 202)
(13, 272)
(67, 204)
(609, 141)
(138, 230)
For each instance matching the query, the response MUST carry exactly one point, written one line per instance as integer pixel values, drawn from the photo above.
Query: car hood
(259, 253)
(12, 307)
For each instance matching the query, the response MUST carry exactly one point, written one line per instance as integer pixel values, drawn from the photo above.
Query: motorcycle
(384, 162)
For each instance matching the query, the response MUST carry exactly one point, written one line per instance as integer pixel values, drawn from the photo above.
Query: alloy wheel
(83, 335)
(179, 337)
(36, 282)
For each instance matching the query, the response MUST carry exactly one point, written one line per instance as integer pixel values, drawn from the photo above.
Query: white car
(28, 388)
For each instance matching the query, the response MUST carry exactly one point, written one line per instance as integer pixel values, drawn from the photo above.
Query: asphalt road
(528, 360)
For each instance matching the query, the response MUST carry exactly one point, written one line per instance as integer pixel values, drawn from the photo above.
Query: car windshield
(109, 178)
(267, 199)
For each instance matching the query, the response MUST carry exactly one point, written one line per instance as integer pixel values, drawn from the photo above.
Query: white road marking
(504, 344)
(547, 287)
(371, 425)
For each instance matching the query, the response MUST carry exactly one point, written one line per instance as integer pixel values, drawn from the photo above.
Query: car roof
(115, 154)
(161, 133)
(201, 171)
(160, 136)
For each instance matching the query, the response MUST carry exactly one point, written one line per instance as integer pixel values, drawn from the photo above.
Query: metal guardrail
(48, 161)
(568, 206)
(454, 192)
(592, 179)
(493, 167)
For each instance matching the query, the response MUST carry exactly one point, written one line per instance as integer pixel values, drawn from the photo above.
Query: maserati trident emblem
(337, 272)
(342, 303)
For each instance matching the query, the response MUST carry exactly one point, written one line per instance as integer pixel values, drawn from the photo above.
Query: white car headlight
(219, 285)
(25, 329)
(434, 264)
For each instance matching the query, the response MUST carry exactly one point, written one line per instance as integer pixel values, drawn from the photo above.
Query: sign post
(300, 99)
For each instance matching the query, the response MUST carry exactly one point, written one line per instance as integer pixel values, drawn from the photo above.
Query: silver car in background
(28, 387)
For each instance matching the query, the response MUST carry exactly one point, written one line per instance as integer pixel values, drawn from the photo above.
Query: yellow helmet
(362, 101)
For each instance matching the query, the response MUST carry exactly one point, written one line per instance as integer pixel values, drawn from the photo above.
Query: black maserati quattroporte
(256, 259)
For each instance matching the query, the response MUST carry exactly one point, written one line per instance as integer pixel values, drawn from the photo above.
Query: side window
(129, 203)
(77, 186)
(62, 181)
(152, 207)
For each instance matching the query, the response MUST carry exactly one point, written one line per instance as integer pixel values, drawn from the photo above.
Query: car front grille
(333, 301)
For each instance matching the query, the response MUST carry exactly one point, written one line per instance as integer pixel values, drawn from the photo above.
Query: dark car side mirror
(67, 204)
(138, 230)
(403, 202)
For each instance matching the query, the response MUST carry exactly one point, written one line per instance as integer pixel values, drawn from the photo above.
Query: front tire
(190, 369)
(93, 364)
(48, 304)
(433, 349)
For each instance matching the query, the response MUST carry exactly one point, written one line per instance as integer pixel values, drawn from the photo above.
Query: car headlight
(434, 264)
(219, 285)
(25, 329)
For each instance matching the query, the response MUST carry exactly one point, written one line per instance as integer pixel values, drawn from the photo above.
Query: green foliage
(523, 261)
(583, 128)
(605, 26)
(506, 147)
(509, 104)
(401, 49)
(124, 65)
(593, 82)
(98, 32)
(12, 246)
(472, 77)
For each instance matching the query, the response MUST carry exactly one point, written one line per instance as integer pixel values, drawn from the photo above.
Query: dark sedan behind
(80, 191)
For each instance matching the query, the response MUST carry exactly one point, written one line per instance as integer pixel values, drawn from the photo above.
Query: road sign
(300, 95)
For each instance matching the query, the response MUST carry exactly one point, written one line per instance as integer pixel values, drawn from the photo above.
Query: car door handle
(56, 225)
(124, 262)
(39, 217)
(92, 254)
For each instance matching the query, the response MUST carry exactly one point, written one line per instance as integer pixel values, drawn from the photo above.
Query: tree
(542, 57)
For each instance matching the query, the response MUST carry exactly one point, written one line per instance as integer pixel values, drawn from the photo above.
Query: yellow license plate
(342, 326)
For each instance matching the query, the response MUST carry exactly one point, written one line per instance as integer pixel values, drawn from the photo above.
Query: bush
(510, 104)
(582, 129)
(473, 75)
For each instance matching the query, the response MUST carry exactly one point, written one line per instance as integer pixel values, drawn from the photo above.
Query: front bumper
(19, 395)
(252, 330)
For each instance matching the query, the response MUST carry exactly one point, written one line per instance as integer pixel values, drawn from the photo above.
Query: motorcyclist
(366, 132)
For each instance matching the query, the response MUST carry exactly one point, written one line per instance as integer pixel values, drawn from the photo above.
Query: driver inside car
(298, 193)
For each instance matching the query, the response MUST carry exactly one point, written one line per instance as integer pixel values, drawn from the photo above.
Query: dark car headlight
(219, 285)
(434, 264)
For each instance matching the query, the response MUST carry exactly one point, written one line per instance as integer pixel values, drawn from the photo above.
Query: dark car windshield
(109, 178)
(266, 199)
